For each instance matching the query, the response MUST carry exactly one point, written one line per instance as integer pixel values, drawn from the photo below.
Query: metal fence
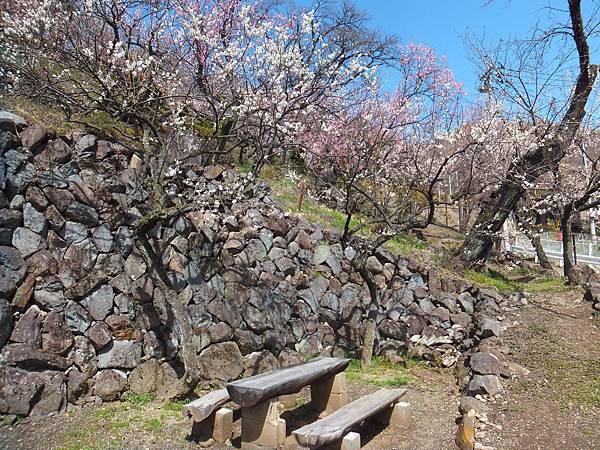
(587, 247)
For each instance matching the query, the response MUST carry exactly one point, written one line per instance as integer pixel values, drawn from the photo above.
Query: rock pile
(82, 317)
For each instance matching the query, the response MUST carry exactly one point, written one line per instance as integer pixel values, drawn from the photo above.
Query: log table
(262, 428)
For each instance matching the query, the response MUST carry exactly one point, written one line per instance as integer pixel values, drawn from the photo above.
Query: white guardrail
(587, 251)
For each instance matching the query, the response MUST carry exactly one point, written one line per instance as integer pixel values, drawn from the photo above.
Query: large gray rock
(222, 361)
(484, 384)
(6, 321)
(74, 232)
(467, 302)
(264, 310)
(49, 294)
(26, 357)
(12, 263)
(120, 354)
(135, 266)
(321, 253)
(100, 335)
(10, 218)
(100, 302)
(485, 363)
(78, 212)
(83, 356)
(18, 389)
(143, 379)
(53, 397)
(86, 143)
(225, 311)
(28, 329)
(490, 328)
(468, 403)
(393, 329)
(61, 198)
(110, 384)
(82, 254)
(259, 362)
(56, 336)
(8, 286)
(247, 341)
(33, 219)
(11, 122)
(33, 136)
(26, 241)
(102, 238)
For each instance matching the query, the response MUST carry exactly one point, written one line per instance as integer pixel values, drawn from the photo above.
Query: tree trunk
(178, 305)
(366, 356)
(567, 236)
(528, 168)
(541, 254)
(360, 264)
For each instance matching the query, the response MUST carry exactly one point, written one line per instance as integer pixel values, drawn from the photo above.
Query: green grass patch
(155, 424)
(406, 244)
(174, 406)
(382, 372)
(286, 192)
(138, 399)
(505, 283)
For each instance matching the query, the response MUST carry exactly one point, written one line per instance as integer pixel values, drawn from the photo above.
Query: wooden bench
(262, 428)
(210, 421)
(382, 405)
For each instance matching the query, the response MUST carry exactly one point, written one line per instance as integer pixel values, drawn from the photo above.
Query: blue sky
(442, 24)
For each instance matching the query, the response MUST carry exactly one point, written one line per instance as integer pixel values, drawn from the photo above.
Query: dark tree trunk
(360, 264)
(527, 169)
(567, 236)
(541, 254)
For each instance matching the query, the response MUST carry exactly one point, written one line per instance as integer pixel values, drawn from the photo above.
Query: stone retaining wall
(82, 319)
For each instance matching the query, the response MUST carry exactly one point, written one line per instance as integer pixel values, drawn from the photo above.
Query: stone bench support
(262, 428)
(398, 415)
(217, 427)
(329, 395)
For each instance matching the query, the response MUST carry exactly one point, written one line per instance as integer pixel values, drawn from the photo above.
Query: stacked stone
(81, 319)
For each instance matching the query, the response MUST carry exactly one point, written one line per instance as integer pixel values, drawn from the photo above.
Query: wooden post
(300, 199)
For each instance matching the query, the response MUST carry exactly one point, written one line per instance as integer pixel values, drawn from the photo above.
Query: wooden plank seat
(211, 422)
(253, 390)
(262, 427)
(380, 405)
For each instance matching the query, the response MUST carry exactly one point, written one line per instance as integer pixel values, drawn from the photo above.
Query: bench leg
(262, 428)
(216, 427)
(223, 429)
(329, 395)
(399, 415)
(351, 442)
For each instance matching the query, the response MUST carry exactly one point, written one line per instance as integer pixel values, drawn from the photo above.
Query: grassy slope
(440, 241)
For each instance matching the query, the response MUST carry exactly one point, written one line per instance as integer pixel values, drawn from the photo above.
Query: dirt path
(557, 406)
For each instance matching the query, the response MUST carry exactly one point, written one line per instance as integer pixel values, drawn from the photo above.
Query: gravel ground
(557, 406)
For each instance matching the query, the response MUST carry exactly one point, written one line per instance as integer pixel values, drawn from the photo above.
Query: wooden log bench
(382, 405)
(211, 422)
(262, 427)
